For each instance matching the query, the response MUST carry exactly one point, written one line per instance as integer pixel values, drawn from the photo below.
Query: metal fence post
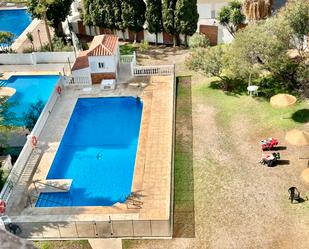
(76, 229)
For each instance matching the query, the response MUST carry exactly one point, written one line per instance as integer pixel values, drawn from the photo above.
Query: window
(213, 14)
(101, 65)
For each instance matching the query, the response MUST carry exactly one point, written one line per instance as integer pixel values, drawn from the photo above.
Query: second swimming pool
(98, 152)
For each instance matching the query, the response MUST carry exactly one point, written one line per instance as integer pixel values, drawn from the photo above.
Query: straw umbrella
(282, 100)
(297, 137)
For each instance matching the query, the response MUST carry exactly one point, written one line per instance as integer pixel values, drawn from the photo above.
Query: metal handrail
(46, 184)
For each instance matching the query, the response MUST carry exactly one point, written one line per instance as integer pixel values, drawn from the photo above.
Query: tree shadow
(184, 217)
(301, 116)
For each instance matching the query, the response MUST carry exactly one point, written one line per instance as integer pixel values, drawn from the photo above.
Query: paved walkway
(38, 31)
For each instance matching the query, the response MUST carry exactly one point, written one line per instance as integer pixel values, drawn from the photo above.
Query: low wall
(37, 58)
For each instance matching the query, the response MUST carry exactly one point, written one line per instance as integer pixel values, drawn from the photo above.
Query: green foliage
(30, 37)
(6, 40)
(210, 61)
(144, 46)
(186, 17)
(127, 49)
(56, 11)
(154, 17)
(168, 15)
(269, 86)
(133, 14)
(198, 41)
(7, 118)
(231, 16)
(58, 45)
(2, 178)
(296, 17)
(31, 116)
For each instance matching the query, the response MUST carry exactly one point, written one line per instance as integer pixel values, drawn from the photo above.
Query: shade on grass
(258, 110)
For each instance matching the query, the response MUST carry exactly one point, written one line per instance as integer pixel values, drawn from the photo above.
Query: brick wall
(96, 78)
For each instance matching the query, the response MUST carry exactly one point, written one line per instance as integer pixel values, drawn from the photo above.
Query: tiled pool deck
(153, 166)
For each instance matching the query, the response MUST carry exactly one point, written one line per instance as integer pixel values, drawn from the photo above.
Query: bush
(198, 41)
(144, 46)
(2, 178)
(269, 86)
(127, 49)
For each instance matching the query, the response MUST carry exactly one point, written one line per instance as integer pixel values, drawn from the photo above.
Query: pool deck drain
(152, 174)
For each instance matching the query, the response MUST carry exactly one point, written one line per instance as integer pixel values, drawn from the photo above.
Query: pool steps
(54, 201)
(54, 185)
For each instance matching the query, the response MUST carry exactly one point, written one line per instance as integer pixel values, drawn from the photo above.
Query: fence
(77, 81)
(95, 229)
(23, 157)
(36, 58)
(153, 70)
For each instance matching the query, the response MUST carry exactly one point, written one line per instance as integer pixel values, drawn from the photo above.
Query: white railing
(153, 70)
(23, 157)
(76, 81)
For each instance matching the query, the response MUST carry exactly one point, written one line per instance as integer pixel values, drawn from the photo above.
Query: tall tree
(55, 11)
(296, 16)
(154, 17)
(168, 11)
(133, 15)
(186, 17)
(231, 16)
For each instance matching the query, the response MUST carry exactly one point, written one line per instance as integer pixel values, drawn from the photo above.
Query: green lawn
(256, 109)
(72, 244)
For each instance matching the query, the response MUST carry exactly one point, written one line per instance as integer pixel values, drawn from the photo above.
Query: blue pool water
(98, 152)
(29, 90)
(14, 21)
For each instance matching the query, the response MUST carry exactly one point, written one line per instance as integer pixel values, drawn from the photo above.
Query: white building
(100, 61)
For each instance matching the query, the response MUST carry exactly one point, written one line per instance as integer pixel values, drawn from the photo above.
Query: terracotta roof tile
(103, 45)
(81, 61)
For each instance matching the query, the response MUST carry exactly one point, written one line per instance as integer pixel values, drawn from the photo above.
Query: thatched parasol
(297, 137)
(305, 175)
(282, 100)
(7, 91)
(257, 9)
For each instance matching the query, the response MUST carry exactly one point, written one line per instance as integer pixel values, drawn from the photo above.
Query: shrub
(144, 46)
(198, 41)
(269, 86)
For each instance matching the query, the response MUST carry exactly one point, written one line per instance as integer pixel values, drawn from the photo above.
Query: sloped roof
(81, 61)
(103, 45)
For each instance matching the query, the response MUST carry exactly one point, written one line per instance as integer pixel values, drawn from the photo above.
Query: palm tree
(257, 9)
(41, 10)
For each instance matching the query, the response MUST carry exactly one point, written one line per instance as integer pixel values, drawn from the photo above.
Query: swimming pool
(14, 21)
(98, 152)
(29, 90)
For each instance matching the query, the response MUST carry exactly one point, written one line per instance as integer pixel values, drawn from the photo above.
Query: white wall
(109, 64)
(16, 59)
(84, 72)
(54, 57)
(36, 58)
